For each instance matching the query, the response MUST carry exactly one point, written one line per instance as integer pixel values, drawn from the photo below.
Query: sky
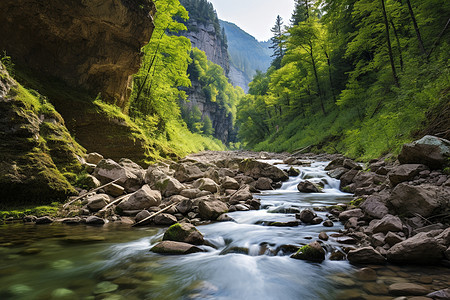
(256, 17)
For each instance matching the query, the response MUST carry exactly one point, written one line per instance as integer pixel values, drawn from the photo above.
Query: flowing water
(248, 260)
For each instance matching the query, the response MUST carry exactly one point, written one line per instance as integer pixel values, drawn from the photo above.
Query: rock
(350, 164)
(224, 218)
(175, 248)
(357, 213)
(206, 184)
(29, 219)
(284, 224)
(374, 208)
(94, 158)
(404, 173)
(243, 194)
(423, 199)
(293, 172)
(337, 255)
(419, 249)
(306, 216)
(337, 163)
(264, 184)
(184, 232)
(317, 220)
(114, 190)
(392, 239)
(63, 294)
(165, 219)
(429, 150)
(211, 210)
(346, 240)
(94, 220)
(97, 202)
(229, 183)
(444, 237)
(366, 274)
(142, 199)
(89, 182)
(257, 169)
(440, 295)
(328, 223)
(347, 178)
(307, 187)
(141, 216)
(337, 173)
(168, 186)
(105, 287)
(185, 172)
(377, 239)
(388, 223)
(312, 252)
(190, 193)
(44, 220)
(184, 206)
(365, 256)
(323, 236)
(108, 170)
(407, 289)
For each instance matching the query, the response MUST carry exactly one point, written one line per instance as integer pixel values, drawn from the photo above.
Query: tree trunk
(388, 39)
(329, 75)
(398, 45)
(438, 39)
(416, 27)
(319, 91)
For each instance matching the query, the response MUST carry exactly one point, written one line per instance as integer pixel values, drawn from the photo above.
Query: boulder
(190, 193)
(94, 158)
(336, 163)
(307, 187)
(328, 223)
(206, 184)
(264, 184)
(440, 295)
(97, 202)
(90, 182)
(374, 208)
(311, 252)
(392, 238)
(175, 248)
(142, 199)
(306, 216)
(429, 150)
(419, 249)
(164, 219)
(211, 210)
(386, 224)
(168, 186)
(142, 215)
(366, 255)
(293, 172)
(184, 232)
(185, 172)
(108, 170)
(404, 173)
(44, 220)
(243, 194)
(350, 164)
(257, 169)
(229, 183)
(347, 178)
(444, 237)
(114, 190)
(184, 206)
(423, 199)
(352, 213)
(407, 289)
(338, 172)
(323, 236)
(94, 220)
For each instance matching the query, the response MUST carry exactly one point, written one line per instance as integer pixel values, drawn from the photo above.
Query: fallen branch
(91, 191)
(116, 201)
(155, 214)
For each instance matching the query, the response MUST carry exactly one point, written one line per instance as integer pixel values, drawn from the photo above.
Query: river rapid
(246, 258)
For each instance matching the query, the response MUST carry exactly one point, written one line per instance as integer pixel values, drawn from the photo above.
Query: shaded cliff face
(90, 44)
(35, 148)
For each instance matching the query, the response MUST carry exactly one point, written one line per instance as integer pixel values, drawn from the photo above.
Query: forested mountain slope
(359, 77)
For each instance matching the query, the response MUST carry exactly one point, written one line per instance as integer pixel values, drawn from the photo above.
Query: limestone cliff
(35, 148)
(92, 44)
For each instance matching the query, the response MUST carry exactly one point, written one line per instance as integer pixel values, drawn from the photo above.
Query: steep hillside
(247, 55)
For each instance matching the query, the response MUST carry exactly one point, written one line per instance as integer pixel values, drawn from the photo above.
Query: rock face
(429, 150)
(94, 45)
(35, 147)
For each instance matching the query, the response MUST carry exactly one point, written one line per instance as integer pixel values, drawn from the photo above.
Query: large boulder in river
(429, 150)
(243, 194)
(386, 224)
(142, 199)
(404, 173)
(130, 175)
(257, 169)
(184, 232)
(374, 207)
(365, 256)
(206, 184)
(423, 199)
(211, 210)
(307, 187)
(175, 248)
(420, 249)
(229, 183)
(312, 252)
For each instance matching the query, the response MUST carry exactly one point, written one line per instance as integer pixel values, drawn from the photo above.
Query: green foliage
(38, 211)
(335, 88)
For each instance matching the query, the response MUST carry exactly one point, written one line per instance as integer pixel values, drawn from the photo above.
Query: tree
(277, 42)
(388, 41)
(207, 126)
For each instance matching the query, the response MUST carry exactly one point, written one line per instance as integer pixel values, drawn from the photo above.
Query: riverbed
(245, 259)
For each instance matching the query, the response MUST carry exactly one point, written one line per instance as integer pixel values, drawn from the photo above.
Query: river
(243, 261)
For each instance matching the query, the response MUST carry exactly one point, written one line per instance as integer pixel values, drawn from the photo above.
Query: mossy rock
(311, 252)
(184, 232)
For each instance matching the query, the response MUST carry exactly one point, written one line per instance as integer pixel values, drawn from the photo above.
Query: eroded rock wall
(90, 44)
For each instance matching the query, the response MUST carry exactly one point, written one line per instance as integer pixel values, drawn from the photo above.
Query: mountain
(247, 55)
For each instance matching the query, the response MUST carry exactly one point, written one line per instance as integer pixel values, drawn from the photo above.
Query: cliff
(94, 45)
